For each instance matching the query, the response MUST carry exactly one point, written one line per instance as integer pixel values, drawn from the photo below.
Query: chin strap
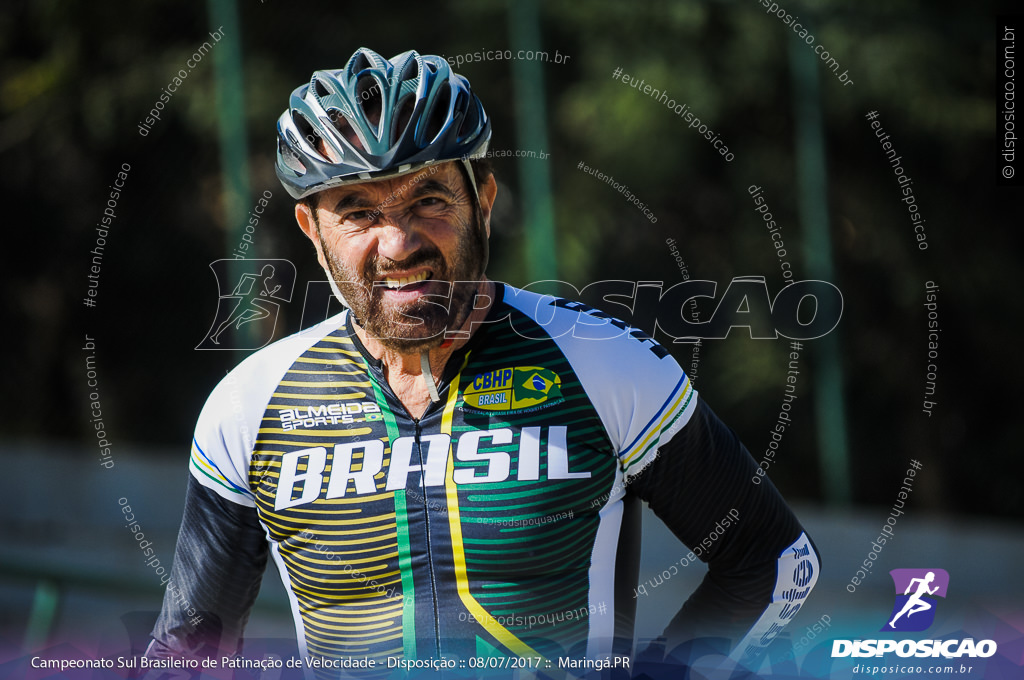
(428, 377)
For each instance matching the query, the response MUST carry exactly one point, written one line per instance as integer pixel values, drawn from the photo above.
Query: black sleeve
(218, 567)
(703, 476)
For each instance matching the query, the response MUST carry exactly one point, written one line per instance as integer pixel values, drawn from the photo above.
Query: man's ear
(308, 225)
(488, 190)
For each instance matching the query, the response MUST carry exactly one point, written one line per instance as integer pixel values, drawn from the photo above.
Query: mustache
(379, 268)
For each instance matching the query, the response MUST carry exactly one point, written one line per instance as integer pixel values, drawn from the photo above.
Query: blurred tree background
(77, 79)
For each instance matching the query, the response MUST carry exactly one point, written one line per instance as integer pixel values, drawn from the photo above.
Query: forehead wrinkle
(432, 186)
(353, 199)
(375, 195)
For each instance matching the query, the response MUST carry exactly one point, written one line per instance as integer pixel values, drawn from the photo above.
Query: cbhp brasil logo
(916, 590)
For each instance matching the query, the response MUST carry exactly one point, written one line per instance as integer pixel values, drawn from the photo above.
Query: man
(451, 468)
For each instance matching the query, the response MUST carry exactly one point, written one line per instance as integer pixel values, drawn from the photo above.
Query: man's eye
(431, 202)
(358, 216)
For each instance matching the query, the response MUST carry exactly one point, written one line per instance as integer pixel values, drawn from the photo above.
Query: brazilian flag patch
(514, 389)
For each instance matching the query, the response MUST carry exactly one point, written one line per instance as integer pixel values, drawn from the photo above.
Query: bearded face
(406, 253)
(410, 313)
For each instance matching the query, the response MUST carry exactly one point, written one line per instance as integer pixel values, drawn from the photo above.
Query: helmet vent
(470, 116)
(360, 63)
(371, 98)
(403, 115)
(346, 130)
(320, 89)
(308, 133)
(411, 71)
(290, 158)
(438, 115)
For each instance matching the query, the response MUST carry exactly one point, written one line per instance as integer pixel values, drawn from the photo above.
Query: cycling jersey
(503, 521)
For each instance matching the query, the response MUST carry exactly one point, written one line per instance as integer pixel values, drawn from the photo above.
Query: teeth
(398, 283)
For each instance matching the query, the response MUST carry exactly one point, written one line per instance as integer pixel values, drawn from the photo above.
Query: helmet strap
(428, 376)
(472, 178)
(467, 167)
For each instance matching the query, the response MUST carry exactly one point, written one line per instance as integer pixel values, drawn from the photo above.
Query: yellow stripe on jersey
(341, 361)
(488, 622)
(341, 433)
(655, 429)
(336, 397)
(327, 396)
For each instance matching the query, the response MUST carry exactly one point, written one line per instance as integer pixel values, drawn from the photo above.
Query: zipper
(430, 551)
(385, 386)
(376, 373)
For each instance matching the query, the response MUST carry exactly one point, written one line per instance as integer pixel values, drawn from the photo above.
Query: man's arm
(218, 567)
(761, 566)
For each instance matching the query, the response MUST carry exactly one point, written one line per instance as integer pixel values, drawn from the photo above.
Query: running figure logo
(260, 286)
(916, 589)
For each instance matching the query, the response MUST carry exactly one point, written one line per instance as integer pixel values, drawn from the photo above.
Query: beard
(419, 325)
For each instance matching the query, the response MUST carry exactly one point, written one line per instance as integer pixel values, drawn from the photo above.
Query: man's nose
(397, 239)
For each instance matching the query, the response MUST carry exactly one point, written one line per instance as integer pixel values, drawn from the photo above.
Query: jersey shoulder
(227, 426)
(639, 390)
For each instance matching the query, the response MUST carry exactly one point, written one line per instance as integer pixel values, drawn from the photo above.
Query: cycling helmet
(377, 118)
